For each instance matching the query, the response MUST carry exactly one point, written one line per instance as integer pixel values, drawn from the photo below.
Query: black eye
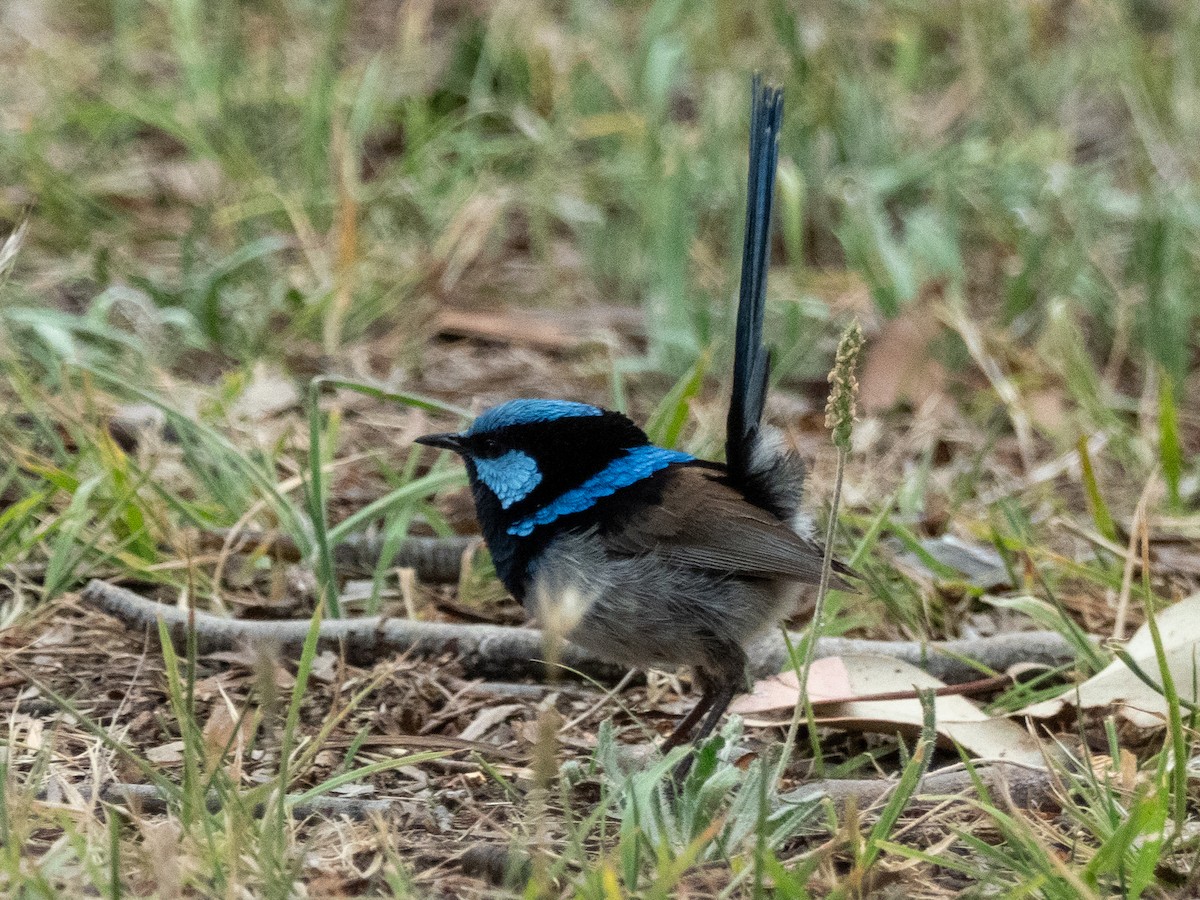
(490, 445)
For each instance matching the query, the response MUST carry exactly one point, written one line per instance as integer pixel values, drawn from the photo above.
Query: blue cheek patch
(638, 463)
(527, 412)
(510, 477)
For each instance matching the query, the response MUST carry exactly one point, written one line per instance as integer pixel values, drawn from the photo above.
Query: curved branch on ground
(149, 798)
(435, 559)
(1024, 787)
(493, 651)
(1021, 787)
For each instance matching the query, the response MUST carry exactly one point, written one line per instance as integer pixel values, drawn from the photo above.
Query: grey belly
(638, 611)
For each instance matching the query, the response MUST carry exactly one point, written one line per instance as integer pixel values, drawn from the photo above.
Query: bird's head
(526, 457)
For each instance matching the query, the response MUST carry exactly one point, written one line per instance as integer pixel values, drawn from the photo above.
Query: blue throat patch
(510, 477)
(636, 464)
(526, 412)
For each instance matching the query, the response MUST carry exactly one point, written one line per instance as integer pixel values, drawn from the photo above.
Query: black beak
(446, 441)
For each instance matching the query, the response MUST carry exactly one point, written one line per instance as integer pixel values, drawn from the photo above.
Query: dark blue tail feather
(751, 361)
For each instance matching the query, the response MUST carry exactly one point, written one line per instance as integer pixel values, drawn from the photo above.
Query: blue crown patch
(526, 412)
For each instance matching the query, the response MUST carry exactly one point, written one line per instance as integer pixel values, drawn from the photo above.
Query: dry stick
(1140, 512)
(967, 689)
(493, 651)
(437, 559)
(1027, 787)
(604, 700)
(149, 799)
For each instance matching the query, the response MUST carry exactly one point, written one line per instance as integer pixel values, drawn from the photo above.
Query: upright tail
(751, 361)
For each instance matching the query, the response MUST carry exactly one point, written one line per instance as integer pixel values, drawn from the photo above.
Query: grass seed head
(842, 407)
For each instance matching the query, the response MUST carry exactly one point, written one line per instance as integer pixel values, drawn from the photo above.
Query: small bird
(642, 554)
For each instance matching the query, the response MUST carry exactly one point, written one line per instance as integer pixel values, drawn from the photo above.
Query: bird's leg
(708, 695)
(719, 690)
(719, 699)
(722, 697)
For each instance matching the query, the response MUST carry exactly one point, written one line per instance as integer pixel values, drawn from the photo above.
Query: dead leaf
(207, 688)
(192, 181)
(222, 734)
(166, 754)
(828, 681)
(959, 721)
(33, 737)
(1118, 690)
(324, 666)
(1048, 410)
(487, 720)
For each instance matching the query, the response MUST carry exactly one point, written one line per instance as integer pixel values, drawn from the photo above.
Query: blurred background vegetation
(198, 190)
(248, 178)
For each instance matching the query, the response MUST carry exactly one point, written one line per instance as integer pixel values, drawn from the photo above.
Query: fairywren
(645, 555)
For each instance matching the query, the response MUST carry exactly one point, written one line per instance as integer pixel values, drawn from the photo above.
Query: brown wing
(702, 523)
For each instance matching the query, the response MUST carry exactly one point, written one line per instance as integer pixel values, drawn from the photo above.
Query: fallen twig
(950, 661)
(1025, 787)
(486, 651)
(493, 651)
(993, 685)
(435, 559)
(149, 798)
